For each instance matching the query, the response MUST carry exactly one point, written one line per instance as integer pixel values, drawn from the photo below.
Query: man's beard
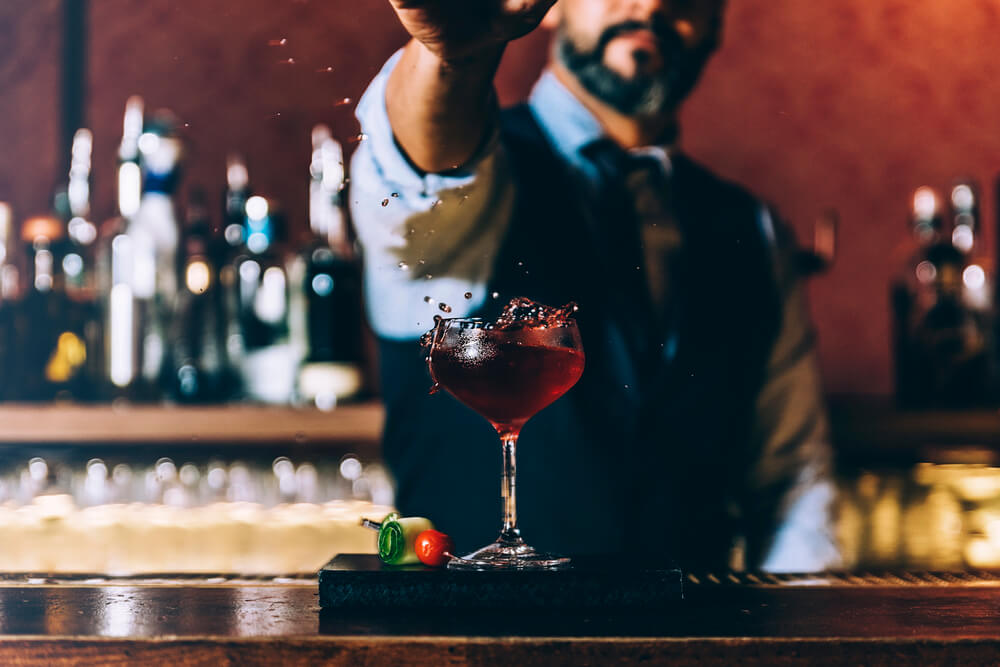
(644, 94)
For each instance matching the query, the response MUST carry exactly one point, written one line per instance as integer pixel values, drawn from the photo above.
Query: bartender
(697, 432)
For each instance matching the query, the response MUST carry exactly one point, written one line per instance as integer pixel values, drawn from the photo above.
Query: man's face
(641, 57)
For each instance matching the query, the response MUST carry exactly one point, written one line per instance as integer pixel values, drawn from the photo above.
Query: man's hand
(455, 30)
(440, 95)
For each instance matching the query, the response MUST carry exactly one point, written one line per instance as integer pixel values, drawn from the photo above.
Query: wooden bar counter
(746, 620)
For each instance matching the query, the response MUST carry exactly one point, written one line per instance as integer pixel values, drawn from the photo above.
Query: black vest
(646, 455)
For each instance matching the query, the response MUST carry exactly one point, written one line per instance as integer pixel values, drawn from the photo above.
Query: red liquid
(506, 382)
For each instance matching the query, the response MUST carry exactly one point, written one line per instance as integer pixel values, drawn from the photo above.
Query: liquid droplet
(277, 42)
(520, 263)
(428, 277)
(428, 299)
(495, 295)
(385, 202)
(395, 194)
(435, 388)
(340, 103)
(468, 295)
(421, 262)
(403, 265)
(445, 308)
(325, 69)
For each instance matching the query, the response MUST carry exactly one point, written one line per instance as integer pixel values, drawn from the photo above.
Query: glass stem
(510, 532)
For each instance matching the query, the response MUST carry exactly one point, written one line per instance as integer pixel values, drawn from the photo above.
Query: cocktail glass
(506, 374)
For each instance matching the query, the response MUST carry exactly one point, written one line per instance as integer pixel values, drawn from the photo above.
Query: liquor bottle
(198, 354)
(8, 290)
(913, 293)
(78, 263)
(154, 234)
(329, 286)
(227, 254)
(121, 358)
(942, 356)
(235, 200)
(269, 357)
(976, 286)
(52, 349)
(977, 294)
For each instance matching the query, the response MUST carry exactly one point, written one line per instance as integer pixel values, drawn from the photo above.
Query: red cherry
(434, 548)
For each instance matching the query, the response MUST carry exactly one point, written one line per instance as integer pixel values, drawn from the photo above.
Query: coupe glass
(506, 375)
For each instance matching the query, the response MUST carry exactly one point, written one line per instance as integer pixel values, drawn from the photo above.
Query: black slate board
(362, 581)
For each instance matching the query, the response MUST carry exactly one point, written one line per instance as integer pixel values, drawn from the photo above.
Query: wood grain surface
(281, 624)
(244, 424)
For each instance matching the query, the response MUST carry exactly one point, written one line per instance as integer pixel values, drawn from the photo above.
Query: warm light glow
(257, 208)
(322, 284)
(72, 265)
(249, 271)
(120, 341)
(926, 272)
(149, 143)
(257, 242)
(78, 190)
(963, 238)
(143, 268)
(237, 175)
(974, 277)
(10, 282)
(198, 277)
(962, 198)
(270, 302)
(925, 203)
(129, 188)
(6, 216)
(132, 128)
(82, 231)
(43, 270)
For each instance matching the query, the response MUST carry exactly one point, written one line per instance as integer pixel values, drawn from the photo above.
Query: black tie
(619, 237)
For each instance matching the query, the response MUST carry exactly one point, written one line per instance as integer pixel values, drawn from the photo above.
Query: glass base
(503, 555)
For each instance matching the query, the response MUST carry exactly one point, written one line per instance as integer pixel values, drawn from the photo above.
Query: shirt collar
(571, 127)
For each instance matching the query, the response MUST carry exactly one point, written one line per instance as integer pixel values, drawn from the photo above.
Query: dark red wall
(852, 104)
(30, 35)
(814, 105)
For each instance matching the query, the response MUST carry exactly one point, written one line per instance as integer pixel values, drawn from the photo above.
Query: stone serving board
(362, 581)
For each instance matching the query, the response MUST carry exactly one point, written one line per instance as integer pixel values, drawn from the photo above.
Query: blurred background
(868, 122)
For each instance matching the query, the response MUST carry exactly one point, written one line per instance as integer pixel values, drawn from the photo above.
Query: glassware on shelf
(326, 297)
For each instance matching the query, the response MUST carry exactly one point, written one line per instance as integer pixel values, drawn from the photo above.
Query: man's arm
(791, 491)
(428, 239)
(440, 96)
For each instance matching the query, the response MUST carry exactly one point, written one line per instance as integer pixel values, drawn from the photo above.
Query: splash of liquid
(520, 313)
(525, 313)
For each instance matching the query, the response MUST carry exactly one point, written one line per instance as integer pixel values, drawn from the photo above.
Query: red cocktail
(507, 371)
